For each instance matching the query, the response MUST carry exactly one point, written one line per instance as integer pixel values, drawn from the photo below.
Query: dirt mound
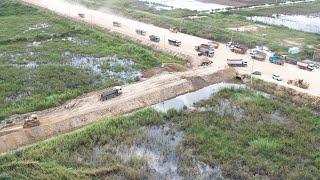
(171, 67)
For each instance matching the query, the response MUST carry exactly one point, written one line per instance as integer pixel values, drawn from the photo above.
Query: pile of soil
(171, 67)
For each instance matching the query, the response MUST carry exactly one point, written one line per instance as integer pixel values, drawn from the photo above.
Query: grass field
(46, 60)
(217, 26)
(258, 138)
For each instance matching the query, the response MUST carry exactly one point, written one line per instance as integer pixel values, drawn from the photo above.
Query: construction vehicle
(205, 50)
(204, 47)
(299, 83)
(305, 66)
(237, 48)
(111, 93)
(276, 60)
(206, 53)
(173, 29)
(154, 38)
(277, 77)
(82, 15)
(258, 55)
(174, 42)
(116, 24)
(31, 121)
(141, 32)
(214, 44)
(289, 59)
(205, 61)
(242, 76)
(237, 63)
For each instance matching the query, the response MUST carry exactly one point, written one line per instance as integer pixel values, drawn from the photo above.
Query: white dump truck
(237, 63)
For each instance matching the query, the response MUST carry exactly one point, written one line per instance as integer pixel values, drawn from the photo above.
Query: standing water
(184, 4)
(297, 22)
(189, 99)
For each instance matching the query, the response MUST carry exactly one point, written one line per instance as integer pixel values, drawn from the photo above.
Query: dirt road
(129, 26)
(87, 109)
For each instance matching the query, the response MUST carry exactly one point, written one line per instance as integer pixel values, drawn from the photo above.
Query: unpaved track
(105, 20)
(87, 109)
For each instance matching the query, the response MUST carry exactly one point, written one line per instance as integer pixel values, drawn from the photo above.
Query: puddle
(158, 147)
(277, 4)
(188, 100)
(183, 4)
(42, 26)
(296, 22)
(31, 65)
(113, 67)
(76, 41)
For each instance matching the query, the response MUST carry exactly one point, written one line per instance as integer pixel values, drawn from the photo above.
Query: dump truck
(239, 50)
(206, 53)
(214, 44)
(305, 66)
(205, 50)
(31, 121)
(204, 47)
(174, 42)
(154, 38)
(111, 93)
(237, 62)
(276, 60)
(141, 32)
(116, 24)
(289, 59)
(258, 55)
(173, 29)
(82, 15)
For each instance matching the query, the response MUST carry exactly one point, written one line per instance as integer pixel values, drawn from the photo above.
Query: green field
(46, 60)
(216, 26)
(239, 132)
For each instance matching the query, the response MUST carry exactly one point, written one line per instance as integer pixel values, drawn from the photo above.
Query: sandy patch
(251, 28)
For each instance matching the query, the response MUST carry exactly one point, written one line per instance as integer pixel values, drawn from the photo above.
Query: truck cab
(141, 32)
(116, 24)
(174, 42)
(154, 38)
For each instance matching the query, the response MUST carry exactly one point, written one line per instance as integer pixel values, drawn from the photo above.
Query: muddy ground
(242, 3)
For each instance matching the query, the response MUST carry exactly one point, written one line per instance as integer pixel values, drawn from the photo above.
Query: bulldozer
(205, 61)
(31, 121)
(299, 83)
(173, 29)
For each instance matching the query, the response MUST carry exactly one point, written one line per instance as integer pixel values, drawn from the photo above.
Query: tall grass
(249, 148)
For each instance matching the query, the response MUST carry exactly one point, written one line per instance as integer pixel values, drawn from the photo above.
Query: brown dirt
(88, 109)
(171, 67)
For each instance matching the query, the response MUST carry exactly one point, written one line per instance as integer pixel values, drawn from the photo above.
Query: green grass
(56, 77)
(215, 27)
(251, 147)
